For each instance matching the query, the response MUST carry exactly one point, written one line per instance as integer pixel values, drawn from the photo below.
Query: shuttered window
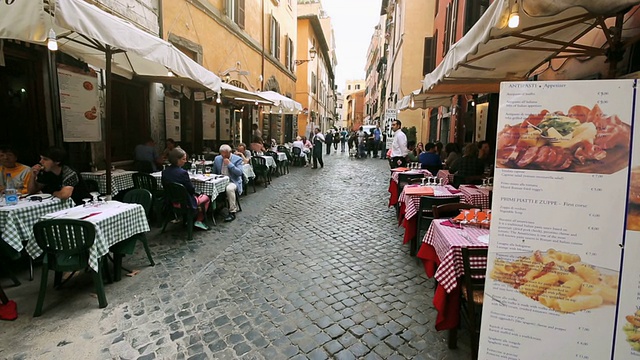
(275, 38)
(428, 58)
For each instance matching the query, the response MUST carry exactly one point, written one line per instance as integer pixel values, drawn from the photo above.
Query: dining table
(441, 255)
(209, 184)
(248, 172)
(120, 180)
(114, 222)
(410, 206)
(393, 182)
(446, 176)
(476, 195)
(16, 221)
(270, 161)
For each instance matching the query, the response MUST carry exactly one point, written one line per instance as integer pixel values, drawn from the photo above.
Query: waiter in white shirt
(399, 149)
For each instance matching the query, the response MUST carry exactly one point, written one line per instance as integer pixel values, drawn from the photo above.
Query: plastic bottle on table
(10, 192)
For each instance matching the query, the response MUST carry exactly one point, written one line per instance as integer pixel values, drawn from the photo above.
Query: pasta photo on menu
(583, 140)
(558, 280)
(633, 211)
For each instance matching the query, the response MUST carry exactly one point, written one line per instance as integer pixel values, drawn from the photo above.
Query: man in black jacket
(318, 140)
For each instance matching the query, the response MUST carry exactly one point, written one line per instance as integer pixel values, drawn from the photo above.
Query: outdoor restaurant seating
(126, 247)
(472, 294)
(403, 180)
(177, 195)
(298, 157)
(260, 168)
(425, 216)
(150, 183)
(450, 210)
(66, 244)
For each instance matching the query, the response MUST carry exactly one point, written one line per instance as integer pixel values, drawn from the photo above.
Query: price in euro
(603, 102)
(593, 228)
(596, 189)
(594, 215)
(603, 93)
(582, 356)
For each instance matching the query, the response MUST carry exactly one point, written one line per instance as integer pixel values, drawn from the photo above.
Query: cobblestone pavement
(313, 268)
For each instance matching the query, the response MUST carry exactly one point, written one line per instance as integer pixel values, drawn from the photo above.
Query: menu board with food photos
(209, 122)
(79, 105)
(172, 118)
(558, 244)
(225, 123)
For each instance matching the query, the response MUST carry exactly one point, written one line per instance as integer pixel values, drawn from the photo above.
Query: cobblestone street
(313, 268)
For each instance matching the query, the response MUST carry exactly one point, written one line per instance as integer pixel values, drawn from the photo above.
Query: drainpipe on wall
(262, 39)
(160, 20)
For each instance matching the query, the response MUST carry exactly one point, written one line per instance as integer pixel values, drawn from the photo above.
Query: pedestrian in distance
(328, 141)
(318, 140)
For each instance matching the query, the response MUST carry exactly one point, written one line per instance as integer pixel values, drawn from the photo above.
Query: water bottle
(10, 192)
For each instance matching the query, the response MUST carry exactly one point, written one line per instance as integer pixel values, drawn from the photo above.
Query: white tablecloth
(209, 185)
(248, 171)
(114, 222)
(270, 161)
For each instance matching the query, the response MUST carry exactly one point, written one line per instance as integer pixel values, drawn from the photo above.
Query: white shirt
(318, 136)
(399, 145)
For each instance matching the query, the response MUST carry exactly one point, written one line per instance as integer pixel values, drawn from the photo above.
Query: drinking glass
(86, 201)
(440, 181)
(484, 182)
(207, 170)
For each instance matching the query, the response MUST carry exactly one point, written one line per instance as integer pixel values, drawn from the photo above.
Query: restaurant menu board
(482, 115)
(225, 123)
(209, 122)
(560, 199)
(389, 116)
(627, 345)
(79, 105)
(172, 117)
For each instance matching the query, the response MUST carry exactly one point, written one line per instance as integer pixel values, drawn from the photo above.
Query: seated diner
(9, 166)
(52, 176)
(176, 174)
(230, 165)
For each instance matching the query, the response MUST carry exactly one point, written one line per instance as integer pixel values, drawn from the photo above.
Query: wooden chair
(473, 294)
(450, 210)
(404, 180)
(66, 244)
(425, 216)
(177, 194)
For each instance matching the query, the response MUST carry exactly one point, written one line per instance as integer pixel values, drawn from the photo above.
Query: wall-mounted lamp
(218, 99)
(413, 102)
(169, 73)
(52, 42)
(312, 55)
(514, 15)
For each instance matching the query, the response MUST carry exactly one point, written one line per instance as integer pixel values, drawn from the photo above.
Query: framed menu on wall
(209, 122)
(79, 105)
(172, 117)
(225, 123)
(558, 239)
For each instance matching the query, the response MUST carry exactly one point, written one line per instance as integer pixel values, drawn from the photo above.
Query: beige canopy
(492, 52)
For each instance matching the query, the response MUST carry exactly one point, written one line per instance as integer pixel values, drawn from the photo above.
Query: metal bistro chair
(425, 217)
(66, 244)
(126, 247)
(404, 180)
(279, 164)
(178, 195)
(450, 210)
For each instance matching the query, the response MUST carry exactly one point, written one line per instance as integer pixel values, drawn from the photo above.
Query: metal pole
(616, 50)
(107, 117)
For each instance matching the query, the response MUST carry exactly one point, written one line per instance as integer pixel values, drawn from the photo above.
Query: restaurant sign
(562, 282)
(389, 116)
(79, 105)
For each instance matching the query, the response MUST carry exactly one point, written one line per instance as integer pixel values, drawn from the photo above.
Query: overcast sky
(353, 22)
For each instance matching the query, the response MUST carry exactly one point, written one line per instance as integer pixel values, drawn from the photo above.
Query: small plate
(36, 196)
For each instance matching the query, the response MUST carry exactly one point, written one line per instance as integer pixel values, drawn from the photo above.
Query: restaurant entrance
(22, 106)
(130, 117)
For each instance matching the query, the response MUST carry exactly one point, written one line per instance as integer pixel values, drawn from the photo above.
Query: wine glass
(95, 195)
(207, 170)
(86, 201)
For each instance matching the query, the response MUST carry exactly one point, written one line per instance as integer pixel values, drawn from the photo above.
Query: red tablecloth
(410, 205)
(447, 178)
(441, 250)
(475, 195)
(393, 184)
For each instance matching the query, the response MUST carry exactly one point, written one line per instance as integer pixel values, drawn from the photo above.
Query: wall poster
(79, 104)
(172, 117)
(389, 116)
(225, 123)
(209, 122)
(558, 248)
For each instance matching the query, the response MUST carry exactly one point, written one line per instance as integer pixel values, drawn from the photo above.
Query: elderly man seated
(241, 150)
(230, 165)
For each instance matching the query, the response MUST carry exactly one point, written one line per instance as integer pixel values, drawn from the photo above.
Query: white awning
(492, 52)
(240, 94)
(419, 100)
(84, 31)
(283, 104)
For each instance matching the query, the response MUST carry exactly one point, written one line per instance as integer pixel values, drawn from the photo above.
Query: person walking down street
(399, 149)
(343, 139)
(328, 141)
(318, 140)
(336, 139)
(383, 146)
(377, 136)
